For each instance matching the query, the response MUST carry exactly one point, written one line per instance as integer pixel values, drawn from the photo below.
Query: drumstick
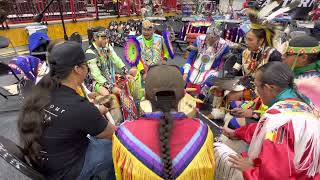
(213, 123)
(228, 110)
(198, 111)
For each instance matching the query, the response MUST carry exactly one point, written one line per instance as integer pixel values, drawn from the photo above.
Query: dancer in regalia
(287, 136)
(102, 76)
(205, 58)
(304, 59)
(164, 144)
(153, 48)
(103, 66)
(153, 51)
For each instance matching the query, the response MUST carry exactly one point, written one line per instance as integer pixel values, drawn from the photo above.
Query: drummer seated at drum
(259, 52)
(205, 58)
(284, 144)
(55, 121)
(103, 66)
(164, 144)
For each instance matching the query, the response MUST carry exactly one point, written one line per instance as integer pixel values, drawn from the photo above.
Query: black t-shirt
(71, 118)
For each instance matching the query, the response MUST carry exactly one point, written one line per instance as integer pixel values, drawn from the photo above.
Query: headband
(266, 29)
(303, 50)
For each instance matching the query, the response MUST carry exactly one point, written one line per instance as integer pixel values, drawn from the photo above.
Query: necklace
(149, 59)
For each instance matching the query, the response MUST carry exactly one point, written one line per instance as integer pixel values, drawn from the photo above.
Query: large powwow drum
(186, 105)
(223, 166)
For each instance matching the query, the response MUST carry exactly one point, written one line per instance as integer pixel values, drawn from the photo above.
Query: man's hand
(240, 163)
(133, 71)
(92, 97)
(230, 133)
(103, 109)
(242, 113)
(185, 76)
(116, 90)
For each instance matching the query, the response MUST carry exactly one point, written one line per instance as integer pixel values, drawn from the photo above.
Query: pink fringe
(310, 87)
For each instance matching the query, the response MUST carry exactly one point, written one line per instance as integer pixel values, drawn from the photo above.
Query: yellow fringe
(201, 167)
(132, 167)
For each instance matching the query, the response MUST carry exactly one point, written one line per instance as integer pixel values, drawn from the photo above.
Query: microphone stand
(39, 17)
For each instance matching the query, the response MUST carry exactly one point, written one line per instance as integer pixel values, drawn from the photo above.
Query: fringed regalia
(136, 149)
(204, 61)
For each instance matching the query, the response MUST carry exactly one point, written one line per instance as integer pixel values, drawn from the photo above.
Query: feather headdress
(263, 19)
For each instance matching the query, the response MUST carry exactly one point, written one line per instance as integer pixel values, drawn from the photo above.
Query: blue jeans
(98, 159)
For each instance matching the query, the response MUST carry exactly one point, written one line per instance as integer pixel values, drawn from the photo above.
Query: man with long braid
(55, 121)
(163, 144)
(284, 144)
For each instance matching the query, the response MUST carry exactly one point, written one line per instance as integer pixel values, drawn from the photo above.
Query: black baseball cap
(68, 54)
(164, 78)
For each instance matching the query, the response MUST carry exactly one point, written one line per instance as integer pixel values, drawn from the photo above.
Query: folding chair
(13, 154)
(4, 43)
(8, 77)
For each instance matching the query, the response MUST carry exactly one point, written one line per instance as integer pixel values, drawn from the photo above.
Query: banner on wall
(300, 12)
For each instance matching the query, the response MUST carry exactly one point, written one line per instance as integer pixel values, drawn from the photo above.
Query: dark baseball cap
(68, 54)
(164, 78)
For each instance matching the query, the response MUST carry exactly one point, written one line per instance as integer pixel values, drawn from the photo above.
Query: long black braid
(165, 103)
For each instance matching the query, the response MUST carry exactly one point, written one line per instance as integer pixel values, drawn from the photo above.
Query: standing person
(55, 120)
(303, 56)
(289, 130)
(205, 58)
(153, 51)
(153, 48)
(176, 147)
